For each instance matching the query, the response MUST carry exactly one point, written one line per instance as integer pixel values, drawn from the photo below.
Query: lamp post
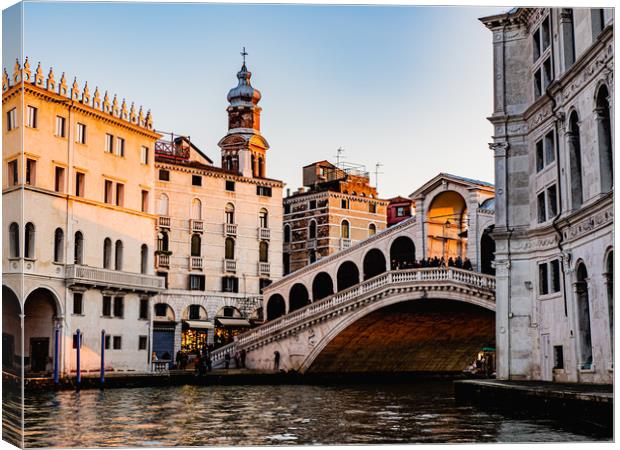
(447, 224)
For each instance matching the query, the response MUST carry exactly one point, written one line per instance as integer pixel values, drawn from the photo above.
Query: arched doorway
(348, 275)
(447, 226)
(40, 313)
(322, 286)
(195, 328)
(487, 252)
(298, 297)
(402, 253)
(11, 331)
(583, 317)
(276, 307)
(374, 263)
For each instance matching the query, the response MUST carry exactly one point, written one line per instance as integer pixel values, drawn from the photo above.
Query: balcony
(195, 262)
(77, 275)
(264, 234)
(230, 265)
(162, 260)
(197, 226)
(311, 244)
(163, 222)
(345, 243)
(263, 268)
(230, 229)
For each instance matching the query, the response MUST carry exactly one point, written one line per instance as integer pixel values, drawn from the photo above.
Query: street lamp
(444, 252)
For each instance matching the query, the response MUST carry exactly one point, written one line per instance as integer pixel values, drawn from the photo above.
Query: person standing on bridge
(276, 360)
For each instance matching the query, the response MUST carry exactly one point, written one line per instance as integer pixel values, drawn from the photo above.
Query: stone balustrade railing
(425, 275)
(95, 276)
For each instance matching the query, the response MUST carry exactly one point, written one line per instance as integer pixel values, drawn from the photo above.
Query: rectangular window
(60, 126)
(540, 156)
(107, 193)
(31, 116)
(77, 303)
(230, 284)
(543, 284)
(12, 169)
(11, 120)
(536, 45)
(120, 194)
(59, 179)
(552, 201)
(107, 341)
(287, 209)
(160, 309)
(549, 147)
(164, 175)
(144, 155)
(230, 185)
(555, 275)
(80, 133)
(547, 74)
(120, 146)
(344, 203)
(372, 207)
(558, 357)
(545, 34)
(79, 184)
(109, 143)
(400, 211)
(142, 343)
(196, 282)
(537, 83)
(265, 191)
(312, 204)
(194, 312)
(106, 309)
(116, 342)
(196, 180)
(144, 308)
(145, 201)
(31, 171)
(75, 340)
(542, 211)
(263, 283)
(119, 306)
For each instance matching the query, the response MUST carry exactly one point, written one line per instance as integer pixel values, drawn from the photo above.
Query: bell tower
(244, 150)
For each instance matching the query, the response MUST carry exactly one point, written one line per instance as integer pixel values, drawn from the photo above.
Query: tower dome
(244, 94)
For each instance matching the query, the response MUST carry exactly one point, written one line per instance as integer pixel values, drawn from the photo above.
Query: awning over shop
(198, 324)
(232, 322)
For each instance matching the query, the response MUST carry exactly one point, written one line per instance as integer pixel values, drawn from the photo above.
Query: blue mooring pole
(79, 344)
(56, 352)
(102, 372)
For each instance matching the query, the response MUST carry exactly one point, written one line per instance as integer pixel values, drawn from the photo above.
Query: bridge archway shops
(276, 307)
(447, 225)
(228, 324)
(195, 329)
(402, 253)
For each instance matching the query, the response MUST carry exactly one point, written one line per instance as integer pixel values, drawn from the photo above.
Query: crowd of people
(457, 262)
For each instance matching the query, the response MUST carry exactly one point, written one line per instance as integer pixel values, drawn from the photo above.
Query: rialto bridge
(371, 308)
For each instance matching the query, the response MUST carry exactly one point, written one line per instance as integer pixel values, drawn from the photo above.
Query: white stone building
(553, 144)
(219, 232)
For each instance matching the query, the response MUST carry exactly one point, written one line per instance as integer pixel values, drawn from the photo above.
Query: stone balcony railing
(113, 279)
(311, 244)
(345, 243)
(162, 260)
(195, 262)
(426, 276)
(264, 234)
(230, 229)
(264, 268)
(230, 265)
(197, 226)
(163, 222)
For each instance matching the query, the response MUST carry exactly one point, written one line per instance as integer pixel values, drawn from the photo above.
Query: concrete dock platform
(583, 405)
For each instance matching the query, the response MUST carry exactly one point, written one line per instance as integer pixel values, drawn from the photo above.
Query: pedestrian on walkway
(276, 360)
(227, 360)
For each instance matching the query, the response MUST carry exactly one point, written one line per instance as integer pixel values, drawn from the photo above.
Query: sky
(409, 87)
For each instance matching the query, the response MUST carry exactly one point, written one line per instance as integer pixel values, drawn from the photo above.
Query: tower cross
(244, 54)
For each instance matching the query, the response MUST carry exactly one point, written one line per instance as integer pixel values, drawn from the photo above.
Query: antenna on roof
(377, 173)
(339, 153)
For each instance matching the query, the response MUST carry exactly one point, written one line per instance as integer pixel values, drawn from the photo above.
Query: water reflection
(269, 415)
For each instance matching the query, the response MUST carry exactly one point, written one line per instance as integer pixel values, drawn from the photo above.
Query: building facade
(338, 208)
(399, 209)
(553, 145)
(78, 226)
(219, 232)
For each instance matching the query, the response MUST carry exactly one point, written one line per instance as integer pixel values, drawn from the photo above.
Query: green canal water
(424, 412)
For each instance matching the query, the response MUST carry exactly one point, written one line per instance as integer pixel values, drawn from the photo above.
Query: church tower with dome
(244, 149)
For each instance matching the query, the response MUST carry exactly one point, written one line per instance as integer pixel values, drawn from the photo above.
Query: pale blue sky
(409, 87)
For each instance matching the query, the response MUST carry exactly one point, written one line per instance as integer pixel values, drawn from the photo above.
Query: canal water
(424, 412)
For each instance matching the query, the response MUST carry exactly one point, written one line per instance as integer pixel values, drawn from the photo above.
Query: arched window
(230, 213)
(287, 233)
(196, 250)
(118, 255)
(14, 240)
(605, 146)
(229, 248)
(345, 232)
(583, 317)
(144, 258)
(29, 241)
(163, 205)
(261, 167)
(78, 248)
(372, 229)
(162, 241)
(574, 148)
(59, 241)
(107, 253)
(253, 162)
(312, 230)
(196, 209)
(263, 251)
(263, 218)
(228, 163)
